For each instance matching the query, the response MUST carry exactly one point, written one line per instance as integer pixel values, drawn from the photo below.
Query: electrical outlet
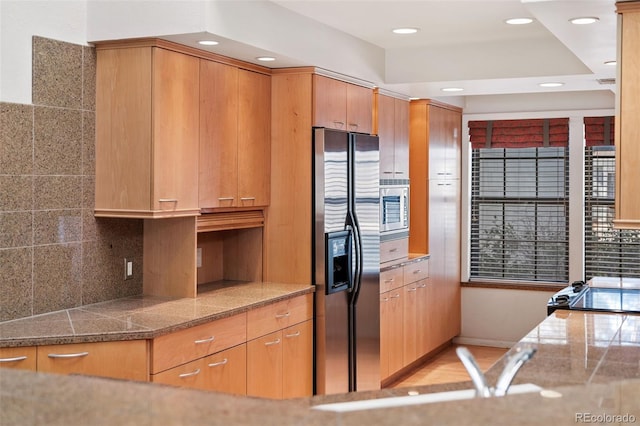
(128, 268)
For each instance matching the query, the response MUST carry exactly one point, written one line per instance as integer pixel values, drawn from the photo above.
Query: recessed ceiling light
(519, 21)
(208, 42)
(611, 63)
(452, 89)
(551, 84)
(266, 58)
(407, 30)
(584, 20)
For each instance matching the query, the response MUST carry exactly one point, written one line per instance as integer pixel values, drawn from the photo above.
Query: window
(609, 252)
(520, 200)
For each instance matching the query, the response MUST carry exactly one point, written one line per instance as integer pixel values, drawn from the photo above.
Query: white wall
(20, 20)
(498, 317)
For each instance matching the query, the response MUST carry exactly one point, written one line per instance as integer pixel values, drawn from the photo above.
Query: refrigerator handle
(357, 276)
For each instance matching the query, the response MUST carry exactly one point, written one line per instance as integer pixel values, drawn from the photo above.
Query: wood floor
(446, 367)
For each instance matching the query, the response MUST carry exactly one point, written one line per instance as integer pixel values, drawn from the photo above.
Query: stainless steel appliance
(346, 264)
(394, 209)
(600, 294)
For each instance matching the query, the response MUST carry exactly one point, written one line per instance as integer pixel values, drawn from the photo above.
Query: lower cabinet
(224, 371)
(119, 360)
(280, 363)
(407, 317)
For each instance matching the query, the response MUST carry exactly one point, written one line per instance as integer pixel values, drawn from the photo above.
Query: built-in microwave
(394, 208)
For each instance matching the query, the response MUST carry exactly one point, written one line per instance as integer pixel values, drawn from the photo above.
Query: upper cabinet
(146, 132)
(392, 127)
(235, 132)
(341, 105)
(627, 131)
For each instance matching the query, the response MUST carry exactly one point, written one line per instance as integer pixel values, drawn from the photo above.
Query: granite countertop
(582, 356)
(144, 317)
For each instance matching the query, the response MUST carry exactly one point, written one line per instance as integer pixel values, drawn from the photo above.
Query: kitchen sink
(427, 398)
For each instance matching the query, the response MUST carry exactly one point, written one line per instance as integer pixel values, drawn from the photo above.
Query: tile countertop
(581, 355)
(144, 317)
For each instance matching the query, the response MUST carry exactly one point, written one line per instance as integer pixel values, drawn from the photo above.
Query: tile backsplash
(54, 254)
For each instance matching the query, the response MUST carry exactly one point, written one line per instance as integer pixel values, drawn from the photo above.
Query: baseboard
(482, 342)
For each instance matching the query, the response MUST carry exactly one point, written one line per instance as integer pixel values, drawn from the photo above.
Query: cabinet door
(444, 142)
(401, 139)
(254, 139)
(264, 366)
(386, 135)
(297, 358)
(359, 109)
(330, 103)
(23, 358)
(396, 335)
(175, 131)
(410, 323)
(385, 335)
(424, 339)
(120, 360)
(218, 174)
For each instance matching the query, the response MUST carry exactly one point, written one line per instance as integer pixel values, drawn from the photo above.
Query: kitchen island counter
(594, 350)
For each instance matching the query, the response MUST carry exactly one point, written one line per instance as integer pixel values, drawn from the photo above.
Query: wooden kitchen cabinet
(341, 105)
(119, 359)
(627, 127)
(225, 371)
(279, 349)
(22, 358)
(146, 132)
(392, 127)
(235, 133)
(391, 332)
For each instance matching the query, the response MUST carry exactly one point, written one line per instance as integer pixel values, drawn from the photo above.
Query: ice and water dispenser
(338, 258)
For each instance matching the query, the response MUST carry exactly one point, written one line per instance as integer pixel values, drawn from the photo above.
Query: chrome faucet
(483, 390)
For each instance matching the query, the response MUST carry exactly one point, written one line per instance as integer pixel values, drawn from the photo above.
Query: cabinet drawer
(279, 315)
(118, 360)
(394, 249)
(21, 358)
(196, 342)
(390, 279)
(224, 371)
(416, 271)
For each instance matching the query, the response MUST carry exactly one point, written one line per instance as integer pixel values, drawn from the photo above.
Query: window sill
(514, 285)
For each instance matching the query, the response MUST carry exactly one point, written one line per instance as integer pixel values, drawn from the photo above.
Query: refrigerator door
(330, 175)
(367, 306)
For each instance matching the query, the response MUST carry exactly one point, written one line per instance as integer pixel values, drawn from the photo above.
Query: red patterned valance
(519, 133)
(598, 131)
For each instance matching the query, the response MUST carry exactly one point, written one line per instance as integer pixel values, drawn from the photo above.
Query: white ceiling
(462, 43)
(467, 44)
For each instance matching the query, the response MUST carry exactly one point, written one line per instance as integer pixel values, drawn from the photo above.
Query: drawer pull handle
(390, 280)
(225, 198)
(386, 299)
(338, 123)
(392, 250)
(207, 340)
(412, 289)
(167, 200)
(15, 359)
(215, 364)
(275, 342)
(193, 373)
(417, 271)
(247, 198)
(388, 173)
(285, 315)
(76, 355)
(296, 334)
(423, 286)
(395, 296)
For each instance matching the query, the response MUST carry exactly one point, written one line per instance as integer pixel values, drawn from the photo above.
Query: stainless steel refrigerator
(346, 252)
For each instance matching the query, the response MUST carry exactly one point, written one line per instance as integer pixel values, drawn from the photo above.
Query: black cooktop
(583, 297)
